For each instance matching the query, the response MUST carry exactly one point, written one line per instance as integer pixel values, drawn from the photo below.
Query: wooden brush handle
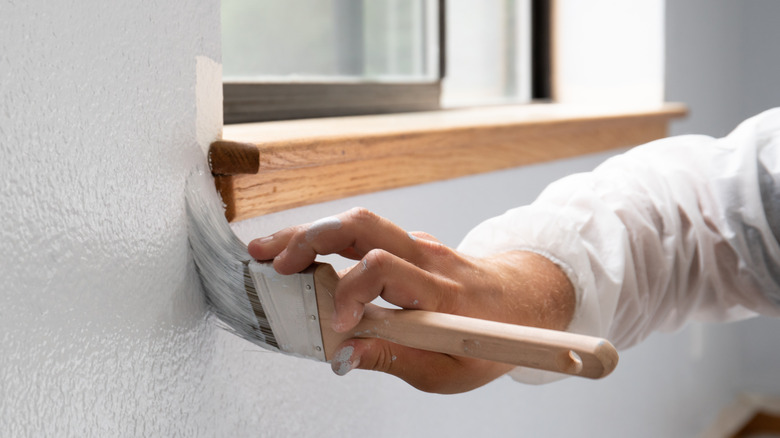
(532, 347)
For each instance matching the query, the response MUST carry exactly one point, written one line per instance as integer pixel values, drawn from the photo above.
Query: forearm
(669, 231)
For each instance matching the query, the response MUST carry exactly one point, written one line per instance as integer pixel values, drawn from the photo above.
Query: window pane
(327, 40)
(488, 52)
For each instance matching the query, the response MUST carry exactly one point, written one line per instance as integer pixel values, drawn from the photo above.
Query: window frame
(245, 102)
(262, 168)
(262, 102)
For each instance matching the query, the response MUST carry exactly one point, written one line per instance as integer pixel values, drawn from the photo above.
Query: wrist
(531, 290)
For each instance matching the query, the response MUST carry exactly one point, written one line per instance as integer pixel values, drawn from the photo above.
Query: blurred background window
(315, 58)
(488, 52)
(330, 40)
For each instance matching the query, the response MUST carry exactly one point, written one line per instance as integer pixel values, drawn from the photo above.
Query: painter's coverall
(680, 228)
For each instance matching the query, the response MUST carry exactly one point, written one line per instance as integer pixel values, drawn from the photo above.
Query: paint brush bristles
(222, 262)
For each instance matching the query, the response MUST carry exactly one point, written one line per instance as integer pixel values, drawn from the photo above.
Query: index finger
(353, 234)
(266, 248)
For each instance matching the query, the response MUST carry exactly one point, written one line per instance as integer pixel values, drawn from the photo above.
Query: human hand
(416, 271)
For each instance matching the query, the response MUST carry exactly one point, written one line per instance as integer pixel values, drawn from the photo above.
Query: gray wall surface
(722, 60)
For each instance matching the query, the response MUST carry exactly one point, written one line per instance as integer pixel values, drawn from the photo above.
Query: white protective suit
(680, 228)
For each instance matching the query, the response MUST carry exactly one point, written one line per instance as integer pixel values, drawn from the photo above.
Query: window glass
(488, 52)
(330, 40)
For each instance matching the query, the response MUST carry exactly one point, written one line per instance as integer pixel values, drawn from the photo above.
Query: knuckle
(297, 236)
(378, 259)
(382, 357)
(447, 296)
(435, 250)
(385, 359)
(362, 215)
(439, 249)
(422, 235)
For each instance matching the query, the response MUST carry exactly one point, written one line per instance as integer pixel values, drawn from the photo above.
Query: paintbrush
(292, 313)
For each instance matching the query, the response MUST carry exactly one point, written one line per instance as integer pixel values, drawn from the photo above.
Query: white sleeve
(685, 227)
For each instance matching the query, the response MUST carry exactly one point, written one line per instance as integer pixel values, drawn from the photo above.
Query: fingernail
(264, 240)
(281, 254)
(343, 362)
(338, 327)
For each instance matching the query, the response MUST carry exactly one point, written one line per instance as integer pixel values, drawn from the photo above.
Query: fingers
(351, 234)
(414, 235)
(452, 374)
(397, 281)
(266, 248)
(393, 264)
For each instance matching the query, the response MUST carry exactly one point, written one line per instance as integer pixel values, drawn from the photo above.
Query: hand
(416, 271)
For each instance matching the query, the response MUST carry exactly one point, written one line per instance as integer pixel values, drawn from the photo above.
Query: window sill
(266, 167)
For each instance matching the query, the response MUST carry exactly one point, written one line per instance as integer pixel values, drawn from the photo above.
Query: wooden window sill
(265, 167)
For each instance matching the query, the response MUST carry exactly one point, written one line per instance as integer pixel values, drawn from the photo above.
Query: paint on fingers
(320, 225)
(340, 326)
(343, 362)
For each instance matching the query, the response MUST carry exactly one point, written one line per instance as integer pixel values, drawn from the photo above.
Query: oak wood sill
(265, 167)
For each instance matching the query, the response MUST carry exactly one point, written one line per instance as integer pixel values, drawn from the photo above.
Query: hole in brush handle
(569, 362)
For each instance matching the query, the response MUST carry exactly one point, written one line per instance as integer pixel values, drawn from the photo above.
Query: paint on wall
(208, 99)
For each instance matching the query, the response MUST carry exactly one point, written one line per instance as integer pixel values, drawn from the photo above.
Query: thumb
(425, 370)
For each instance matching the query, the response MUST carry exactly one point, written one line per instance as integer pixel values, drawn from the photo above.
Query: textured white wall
(102, 325)
(102, 329)
(101, 320)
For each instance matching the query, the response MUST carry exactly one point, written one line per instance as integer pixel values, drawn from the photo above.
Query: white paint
(220, 259)
(320, 225)
(208, 100)
(342, 361)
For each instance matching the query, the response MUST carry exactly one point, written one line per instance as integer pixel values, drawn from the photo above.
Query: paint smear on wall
(208, 95)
